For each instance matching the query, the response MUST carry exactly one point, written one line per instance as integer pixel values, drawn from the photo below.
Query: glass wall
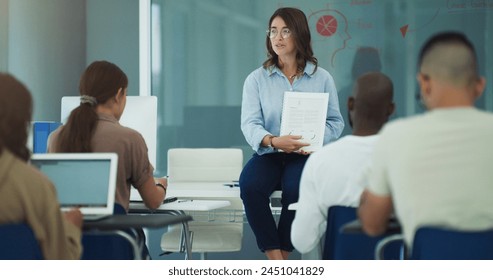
(203, 50)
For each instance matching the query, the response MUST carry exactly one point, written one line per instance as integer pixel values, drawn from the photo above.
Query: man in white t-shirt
(435, 169)
(326, 175)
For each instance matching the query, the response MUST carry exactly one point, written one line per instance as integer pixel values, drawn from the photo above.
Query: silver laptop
(84, 180)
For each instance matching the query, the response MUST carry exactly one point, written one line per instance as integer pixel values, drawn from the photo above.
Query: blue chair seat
(17, 242)
(98, 246)
(352, 246)
(432, 243)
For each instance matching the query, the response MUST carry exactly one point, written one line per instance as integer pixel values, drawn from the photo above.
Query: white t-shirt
(438, 168)
(325, 182)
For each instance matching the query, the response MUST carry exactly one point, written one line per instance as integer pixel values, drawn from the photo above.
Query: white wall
(4, 19)
(47, 44)
(113, 35)
(46, 50)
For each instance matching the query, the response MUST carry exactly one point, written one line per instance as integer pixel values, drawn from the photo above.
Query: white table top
(186, 205)
(216, 190)
(204, 190)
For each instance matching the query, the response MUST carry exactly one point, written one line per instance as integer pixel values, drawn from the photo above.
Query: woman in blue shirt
(290, 66)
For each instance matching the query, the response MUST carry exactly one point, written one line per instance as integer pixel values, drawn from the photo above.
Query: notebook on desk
(84, 180)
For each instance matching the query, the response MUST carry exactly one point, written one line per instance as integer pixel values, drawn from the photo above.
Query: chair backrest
(351, 246)
(99, 246)
(17, 242)
(208, 165)
(432, 243)
(107, 247)
(204, 164)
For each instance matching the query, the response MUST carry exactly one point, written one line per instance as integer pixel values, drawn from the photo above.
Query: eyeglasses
(272, 33)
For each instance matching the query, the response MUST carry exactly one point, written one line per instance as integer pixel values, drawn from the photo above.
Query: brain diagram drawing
(330, 28)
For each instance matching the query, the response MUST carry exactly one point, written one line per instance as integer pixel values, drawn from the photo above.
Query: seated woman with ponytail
(93, 127)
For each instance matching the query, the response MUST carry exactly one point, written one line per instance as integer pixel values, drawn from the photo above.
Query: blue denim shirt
(263, 94)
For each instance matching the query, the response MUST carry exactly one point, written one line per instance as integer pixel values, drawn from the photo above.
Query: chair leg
(203, 256)
(379, 249)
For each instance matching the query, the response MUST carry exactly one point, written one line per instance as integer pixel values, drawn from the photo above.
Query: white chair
(221, 165)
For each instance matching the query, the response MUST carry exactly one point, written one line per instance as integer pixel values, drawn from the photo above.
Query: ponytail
(75, 136)
(99, 83)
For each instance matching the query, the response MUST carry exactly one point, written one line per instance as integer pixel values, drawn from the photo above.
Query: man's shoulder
(341, 144)
(404, 123)
(484, 114)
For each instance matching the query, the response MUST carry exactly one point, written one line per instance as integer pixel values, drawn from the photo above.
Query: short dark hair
(450, 57)
(449, 37)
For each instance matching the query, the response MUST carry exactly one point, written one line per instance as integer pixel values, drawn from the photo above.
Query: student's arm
(374, 212)
(74, 216)
(152, 194)
(59, 237)
(376, 203)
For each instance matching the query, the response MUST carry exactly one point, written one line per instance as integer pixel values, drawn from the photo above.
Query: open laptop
(84, 180)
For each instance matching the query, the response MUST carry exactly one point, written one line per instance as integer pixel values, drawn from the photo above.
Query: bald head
(371, 102)
(450, 58)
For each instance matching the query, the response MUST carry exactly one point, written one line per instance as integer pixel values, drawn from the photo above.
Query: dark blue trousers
(261, 176)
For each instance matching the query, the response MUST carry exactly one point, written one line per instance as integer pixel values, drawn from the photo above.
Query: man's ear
(391, 109)
(350, 103)
(479, 88)
(424, 85)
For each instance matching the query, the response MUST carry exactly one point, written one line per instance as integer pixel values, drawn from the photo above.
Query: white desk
(206, 196)
(185, 205)
(184, 192)
(216, 190)
(196, 189)
(208, 191)
(177, 208)
(116, 224)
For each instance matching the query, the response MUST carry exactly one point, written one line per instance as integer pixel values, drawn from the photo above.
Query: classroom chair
(433, 243)
(110, 245)
(17, 242)
(224, 233)
(352, 246)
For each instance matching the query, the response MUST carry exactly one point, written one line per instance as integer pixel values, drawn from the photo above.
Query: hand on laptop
(74, 216)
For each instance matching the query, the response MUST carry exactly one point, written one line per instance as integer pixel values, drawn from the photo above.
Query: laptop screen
(84, 180)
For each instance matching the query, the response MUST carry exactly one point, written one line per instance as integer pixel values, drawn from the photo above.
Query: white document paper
(305, 113)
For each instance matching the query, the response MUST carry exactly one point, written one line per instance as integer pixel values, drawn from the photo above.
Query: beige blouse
(27, 196)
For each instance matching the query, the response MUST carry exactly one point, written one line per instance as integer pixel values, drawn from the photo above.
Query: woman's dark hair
(101, 80)
(15, 116)
(297, 23)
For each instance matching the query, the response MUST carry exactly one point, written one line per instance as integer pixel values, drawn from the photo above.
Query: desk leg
(185, 240)
(185, 232)
(135, 244)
